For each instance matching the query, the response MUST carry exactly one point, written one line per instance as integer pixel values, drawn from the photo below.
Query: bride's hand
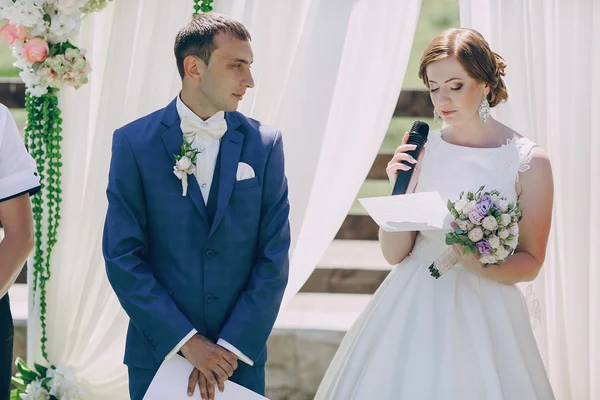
(469, 261)
(395, 165)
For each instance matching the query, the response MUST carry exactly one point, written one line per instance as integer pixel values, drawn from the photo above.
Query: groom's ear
(194, 68)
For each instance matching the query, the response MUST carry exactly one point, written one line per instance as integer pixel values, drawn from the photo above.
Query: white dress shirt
(18, 173)
(208, 151)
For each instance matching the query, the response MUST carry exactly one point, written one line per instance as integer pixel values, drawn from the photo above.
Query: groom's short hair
(196, 38)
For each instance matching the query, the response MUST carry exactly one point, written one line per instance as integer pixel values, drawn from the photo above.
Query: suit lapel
(172, 138)
(231, 150)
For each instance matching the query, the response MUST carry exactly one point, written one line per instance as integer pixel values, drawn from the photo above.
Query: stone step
(349, 266)
(322, 311)
(307, 335)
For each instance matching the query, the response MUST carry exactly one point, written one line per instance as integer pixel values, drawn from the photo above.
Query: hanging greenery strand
(43, 135)
(203, 5)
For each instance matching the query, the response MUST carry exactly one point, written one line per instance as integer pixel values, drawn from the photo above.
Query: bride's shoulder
(532, 158)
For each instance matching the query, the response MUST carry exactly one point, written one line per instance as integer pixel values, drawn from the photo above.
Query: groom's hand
(213, 361)
(207, 392)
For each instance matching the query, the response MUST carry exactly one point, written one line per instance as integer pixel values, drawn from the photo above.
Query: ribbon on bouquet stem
(444, 262)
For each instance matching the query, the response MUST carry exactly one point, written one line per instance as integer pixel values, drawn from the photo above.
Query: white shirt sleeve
(18, 174)
(226, 345)
(180, 344)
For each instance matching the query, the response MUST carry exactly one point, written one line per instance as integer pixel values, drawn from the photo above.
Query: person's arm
(536, 199)
(254, 314)
(125, 249)
(18, 180)
(18, 241)
(395, 246)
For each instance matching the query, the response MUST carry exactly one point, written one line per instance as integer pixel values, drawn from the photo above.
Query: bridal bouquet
(42, 383)
(486, 225)
(38, 32)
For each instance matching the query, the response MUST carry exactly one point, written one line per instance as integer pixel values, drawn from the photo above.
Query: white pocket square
(244, 172)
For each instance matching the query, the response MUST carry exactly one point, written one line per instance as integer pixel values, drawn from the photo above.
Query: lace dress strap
(524, 147)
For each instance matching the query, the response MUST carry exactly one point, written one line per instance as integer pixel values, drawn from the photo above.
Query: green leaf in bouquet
(461, 195)
(26, 372)
(46, 383)
(481, 188)
(40, 369)
(14, 394)
(470, 196)
(18, 383)
(458, 231)
(450, 206)
(451, 239)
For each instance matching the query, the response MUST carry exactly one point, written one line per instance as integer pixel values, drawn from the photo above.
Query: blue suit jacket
(171, 269)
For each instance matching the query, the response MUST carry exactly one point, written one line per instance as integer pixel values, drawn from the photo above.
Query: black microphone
(417, 136)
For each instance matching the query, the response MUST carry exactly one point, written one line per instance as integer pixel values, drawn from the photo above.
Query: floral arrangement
(42, 383)
(485, 224)
(38, 32)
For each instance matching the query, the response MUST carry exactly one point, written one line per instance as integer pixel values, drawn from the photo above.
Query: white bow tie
(191, 128)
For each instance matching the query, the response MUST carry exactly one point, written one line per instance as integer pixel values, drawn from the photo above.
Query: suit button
(210, 253)
(209, 298)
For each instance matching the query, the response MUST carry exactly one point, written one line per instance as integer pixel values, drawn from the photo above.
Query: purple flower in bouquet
(484, 247)
(483, 207)
(486, 198)
(495, 206)
(475, 217)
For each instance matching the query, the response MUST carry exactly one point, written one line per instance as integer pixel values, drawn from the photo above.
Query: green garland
(43, 135)
(202, 5)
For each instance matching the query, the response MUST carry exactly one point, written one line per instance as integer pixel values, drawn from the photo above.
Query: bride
(466, 335)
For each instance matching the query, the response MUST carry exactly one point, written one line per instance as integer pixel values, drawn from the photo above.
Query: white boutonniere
(185, 165)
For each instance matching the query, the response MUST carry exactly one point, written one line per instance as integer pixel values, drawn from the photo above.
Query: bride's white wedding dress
(459, 337)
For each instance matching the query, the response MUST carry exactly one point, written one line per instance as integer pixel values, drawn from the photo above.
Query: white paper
(409, 212)
(171, 382)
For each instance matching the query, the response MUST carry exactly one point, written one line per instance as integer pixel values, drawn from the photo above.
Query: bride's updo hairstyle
(474, 54)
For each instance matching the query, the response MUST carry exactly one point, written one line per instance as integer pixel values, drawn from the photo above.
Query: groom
(200, 270)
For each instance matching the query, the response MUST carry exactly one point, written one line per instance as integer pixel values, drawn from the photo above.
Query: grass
(396, 129)
(20, 116)
(436, 15)
(6, 59)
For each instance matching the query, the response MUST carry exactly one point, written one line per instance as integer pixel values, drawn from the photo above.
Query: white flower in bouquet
(23, 13)
(503, 204)
(470, 206)
(465, 226)
(487, 259)
(63, 27)
(494, 241)
(16, 50)
(490, 223)
(461, 204)
(22, 64)
(70, 6)
(505, 219)
(502, 253)
(35, 391)
(514, 229)
(95, 5)
(29, 77)
(496, 198)
(512, 242)
(63, 383)
(476, 234)
(503, 234)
